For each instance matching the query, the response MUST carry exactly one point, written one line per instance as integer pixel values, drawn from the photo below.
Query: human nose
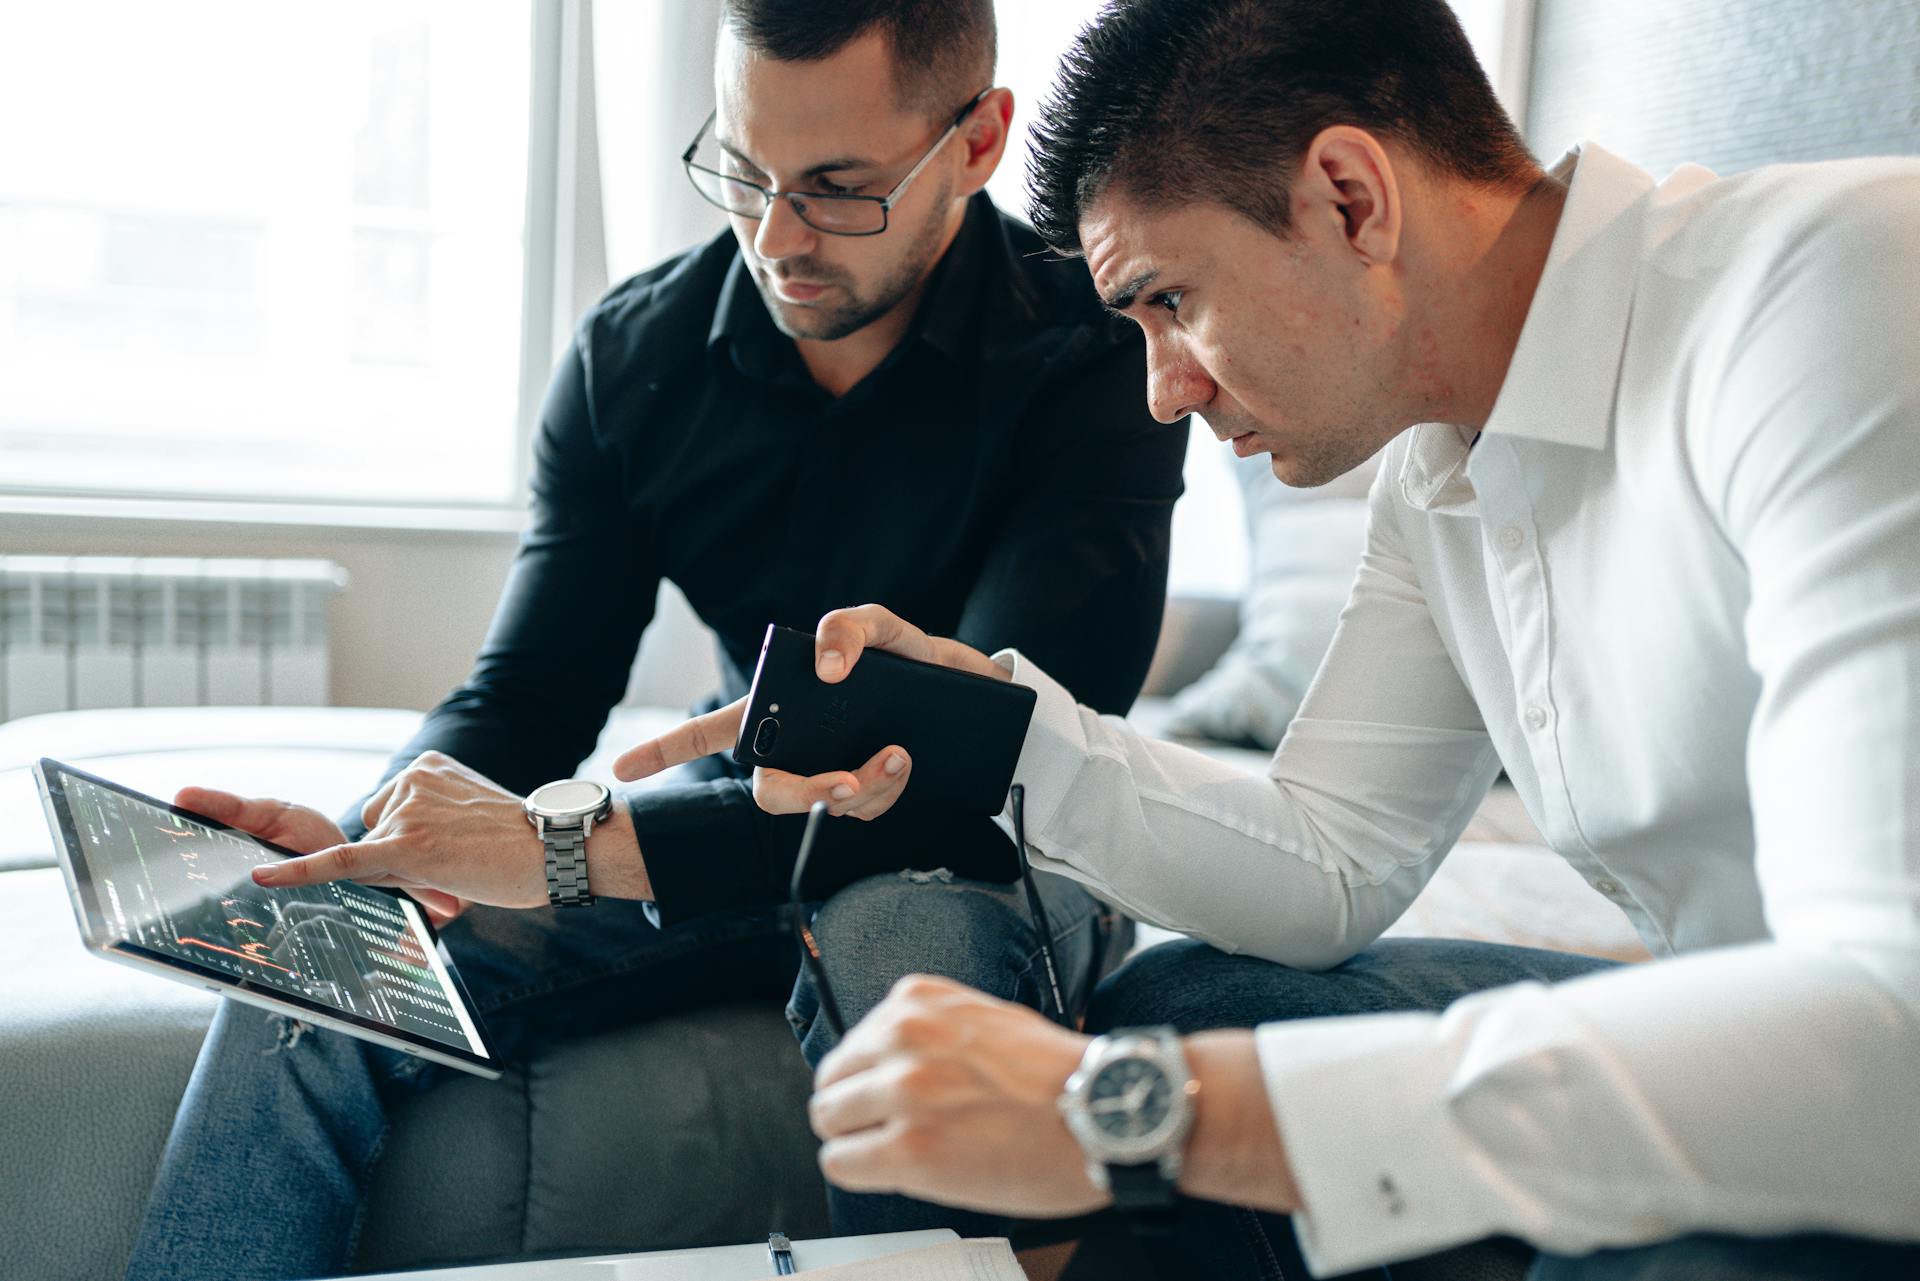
(782, 233)
(1177, 385)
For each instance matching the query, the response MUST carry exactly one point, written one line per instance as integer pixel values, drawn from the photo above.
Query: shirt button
(1606, 886)
(1511, 538)
(1536, 718)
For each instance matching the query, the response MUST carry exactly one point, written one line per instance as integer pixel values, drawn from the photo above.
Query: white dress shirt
(1675, 591)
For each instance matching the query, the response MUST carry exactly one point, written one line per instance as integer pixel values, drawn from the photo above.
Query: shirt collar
(946, 320)
(1560, 383)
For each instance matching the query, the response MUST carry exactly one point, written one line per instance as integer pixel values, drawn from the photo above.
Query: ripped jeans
(979, 933)
(298, 1118)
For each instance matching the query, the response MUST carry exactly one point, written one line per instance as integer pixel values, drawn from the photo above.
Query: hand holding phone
(967, 719)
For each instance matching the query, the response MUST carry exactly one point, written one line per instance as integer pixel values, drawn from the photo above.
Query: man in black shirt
(875, 360)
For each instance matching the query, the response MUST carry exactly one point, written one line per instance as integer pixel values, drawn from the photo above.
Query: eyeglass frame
(885, 202)
(810, 948)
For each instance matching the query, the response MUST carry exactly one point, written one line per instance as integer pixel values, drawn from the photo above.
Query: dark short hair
(943, 50)
(1177, 100)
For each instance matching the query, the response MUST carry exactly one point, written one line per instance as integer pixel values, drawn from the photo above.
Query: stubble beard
(1322, 458)
(1320, 463)
(827, 323)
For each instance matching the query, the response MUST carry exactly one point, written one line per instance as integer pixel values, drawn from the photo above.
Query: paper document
(829, 1257)
(987, 1259)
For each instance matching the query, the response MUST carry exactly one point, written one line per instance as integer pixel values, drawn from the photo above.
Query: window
(262, 250)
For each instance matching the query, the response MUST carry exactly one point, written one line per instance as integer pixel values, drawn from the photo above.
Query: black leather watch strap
(1143, 1195)
(1139, 1187)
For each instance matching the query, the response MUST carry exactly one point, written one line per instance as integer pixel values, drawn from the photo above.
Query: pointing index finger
(337, 863)
(701, 736)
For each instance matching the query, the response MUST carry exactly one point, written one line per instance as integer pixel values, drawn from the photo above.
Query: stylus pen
(1041, 925)
(782, 1251)
(808, 948)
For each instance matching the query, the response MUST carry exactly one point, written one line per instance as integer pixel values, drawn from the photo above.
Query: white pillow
(1305, 547)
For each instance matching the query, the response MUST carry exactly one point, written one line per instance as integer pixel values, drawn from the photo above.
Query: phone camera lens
(765, 736)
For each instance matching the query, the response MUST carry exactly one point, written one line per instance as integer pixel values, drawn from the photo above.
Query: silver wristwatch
(1130, 1106)
(564, 813)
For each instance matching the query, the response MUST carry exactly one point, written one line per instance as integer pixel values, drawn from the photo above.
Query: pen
(781, 1250)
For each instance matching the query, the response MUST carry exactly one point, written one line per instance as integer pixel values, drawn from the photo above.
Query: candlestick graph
(184, 889)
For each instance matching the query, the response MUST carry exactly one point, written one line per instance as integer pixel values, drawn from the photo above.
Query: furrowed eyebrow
(1125, 296)
(837, 165)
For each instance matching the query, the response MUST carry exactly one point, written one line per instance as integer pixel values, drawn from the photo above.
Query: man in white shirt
(1652, 544)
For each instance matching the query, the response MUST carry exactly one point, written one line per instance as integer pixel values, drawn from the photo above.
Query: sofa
(685, 1131)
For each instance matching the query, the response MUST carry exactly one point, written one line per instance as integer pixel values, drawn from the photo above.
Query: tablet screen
(182, 889)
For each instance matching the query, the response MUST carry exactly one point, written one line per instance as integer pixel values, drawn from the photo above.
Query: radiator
(100, 631)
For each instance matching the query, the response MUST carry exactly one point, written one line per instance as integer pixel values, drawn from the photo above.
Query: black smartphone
(963, 731)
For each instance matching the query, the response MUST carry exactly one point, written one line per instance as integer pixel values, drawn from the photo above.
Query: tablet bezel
(101, 939)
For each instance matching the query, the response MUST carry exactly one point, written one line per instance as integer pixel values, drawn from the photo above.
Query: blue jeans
(1195, 988)
(299, 1118)
(979, 933)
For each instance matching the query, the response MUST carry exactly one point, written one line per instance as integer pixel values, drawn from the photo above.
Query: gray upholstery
(92, 1061)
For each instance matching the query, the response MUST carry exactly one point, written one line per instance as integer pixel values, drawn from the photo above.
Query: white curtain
(652, 85)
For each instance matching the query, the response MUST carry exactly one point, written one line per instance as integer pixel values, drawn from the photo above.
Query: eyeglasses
(837, 215)
(810, 949)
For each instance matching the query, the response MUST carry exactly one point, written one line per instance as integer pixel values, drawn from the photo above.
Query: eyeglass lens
(856, 217)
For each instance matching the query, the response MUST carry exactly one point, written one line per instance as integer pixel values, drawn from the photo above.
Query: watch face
(1131, 1098)
(571, 796)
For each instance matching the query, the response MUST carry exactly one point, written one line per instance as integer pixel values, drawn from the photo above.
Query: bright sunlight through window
(262, 250)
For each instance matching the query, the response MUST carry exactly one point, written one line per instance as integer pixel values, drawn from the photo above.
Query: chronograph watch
(1130, 1106)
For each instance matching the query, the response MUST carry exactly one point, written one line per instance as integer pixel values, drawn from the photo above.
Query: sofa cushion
(94, 1057)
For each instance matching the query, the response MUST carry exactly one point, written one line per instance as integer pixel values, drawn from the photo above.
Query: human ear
(1348, 172)
(984, 136)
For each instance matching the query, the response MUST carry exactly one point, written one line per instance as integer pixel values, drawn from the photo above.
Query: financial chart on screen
(185, 890)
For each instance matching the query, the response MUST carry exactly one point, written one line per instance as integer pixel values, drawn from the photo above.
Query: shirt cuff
(689, 839)
(1055, 746)
(1360, 1102)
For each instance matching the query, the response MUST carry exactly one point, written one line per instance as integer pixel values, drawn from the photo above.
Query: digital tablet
(171, 891)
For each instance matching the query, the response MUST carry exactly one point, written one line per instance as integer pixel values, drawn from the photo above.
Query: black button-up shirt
(997, 478)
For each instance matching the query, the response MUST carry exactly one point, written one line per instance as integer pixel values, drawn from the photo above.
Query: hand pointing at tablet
(446, 833)
(841, 638)
(294, 827)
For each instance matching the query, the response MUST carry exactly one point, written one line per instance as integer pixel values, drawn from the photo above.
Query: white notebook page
(986, 1259)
